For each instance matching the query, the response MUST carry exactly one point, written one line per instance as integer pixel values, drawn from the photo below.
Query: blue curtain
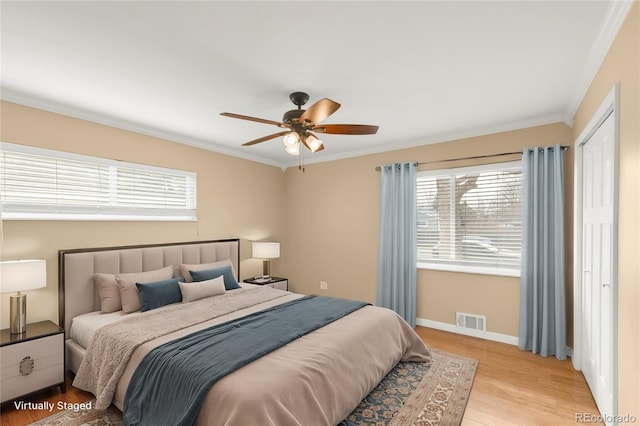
(398, 251)
(542, 279)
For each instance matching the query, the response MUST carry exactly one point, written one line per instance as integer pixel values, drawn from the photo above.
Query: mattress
(85, 326)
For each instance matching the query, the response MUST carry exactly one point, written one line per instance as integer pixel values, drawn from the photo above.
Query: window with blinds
(470, 219)
(44, 184)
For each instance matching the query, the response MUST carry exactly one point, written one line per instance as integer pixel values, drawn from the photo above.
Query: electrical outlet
(323, 285)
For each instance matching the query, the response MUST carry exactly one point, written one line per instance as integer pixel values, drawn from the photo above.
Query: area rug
(420, 394)
(413, 393)
(110, 417)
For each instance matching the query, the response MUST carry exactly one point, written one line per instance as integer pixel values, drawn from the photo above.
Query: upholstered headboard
(78, 293)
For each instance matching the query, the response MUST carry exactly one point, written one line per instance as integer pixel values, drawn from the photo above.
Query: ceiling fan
(301, 123)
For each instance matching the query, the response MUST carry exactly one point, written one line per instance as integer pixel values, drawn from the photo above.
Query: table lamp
(266, 251)
(21, 275)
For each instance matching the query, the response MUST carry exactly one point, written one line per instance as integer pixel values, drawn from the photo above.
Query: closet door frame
(610, 105)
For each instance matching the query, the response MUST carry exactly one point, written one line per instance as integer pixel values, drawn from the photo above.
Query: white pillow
(200, 290)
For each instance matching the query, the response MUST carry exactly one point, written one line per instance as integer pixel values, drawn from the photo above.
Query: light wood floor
(511, 387)
(514, 387)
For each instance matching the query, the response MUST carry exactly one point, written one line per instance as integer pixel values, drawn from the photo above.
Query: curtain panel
(542, 279)
(398, 252)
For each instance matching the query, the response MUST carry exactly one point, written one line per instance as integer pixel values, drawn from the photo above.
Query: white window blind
(470, 219)
(44, 184)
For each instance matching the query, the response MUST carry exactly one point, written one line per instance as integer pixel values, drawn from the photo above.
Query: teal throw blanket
(173, 380)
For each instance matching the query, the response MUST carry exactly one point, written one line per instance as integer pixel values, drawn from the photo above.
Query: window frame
(98, 212)
(461, 267)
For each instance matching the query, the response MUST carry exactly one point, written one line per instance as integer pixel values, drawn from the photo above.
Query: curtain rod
(475, 157)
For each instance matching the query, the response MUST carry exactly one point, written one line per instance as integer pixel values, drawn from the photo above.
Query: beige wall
(622, 65)
(229, 188)
(332, 230)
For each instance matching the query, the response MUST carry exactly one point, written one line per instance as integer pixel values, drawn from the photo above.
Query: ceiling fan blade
(265, 138)
(258, 120)
(346, 129)
(320, 110)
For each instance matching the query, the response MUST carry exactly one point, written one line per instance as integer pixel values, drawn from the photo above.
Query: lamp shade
(264, 250)
(21, 275)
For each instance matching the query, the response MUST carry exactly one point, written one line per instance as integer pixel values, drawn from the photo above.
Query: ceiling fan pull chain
(302, 159)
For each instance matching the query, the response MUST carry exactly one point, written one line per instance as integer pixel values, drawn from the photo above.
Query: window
(44, 184)
(470, 219)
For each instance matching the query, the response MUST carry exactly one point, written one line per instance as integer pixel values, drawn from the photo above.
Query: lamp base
(266, 268)
(18, 313)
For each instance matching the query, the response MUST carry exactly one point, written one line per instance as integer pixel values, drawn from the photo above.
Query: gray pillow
(230, 282)
(185, 268)
(159, 293)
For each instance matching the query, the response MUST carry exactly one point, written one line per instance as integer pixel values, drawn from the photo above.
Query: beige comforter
(112, 346)
(316, 380)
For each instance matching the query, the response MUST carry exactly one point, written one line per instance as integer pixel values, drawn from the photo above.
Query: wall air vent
(471, 322)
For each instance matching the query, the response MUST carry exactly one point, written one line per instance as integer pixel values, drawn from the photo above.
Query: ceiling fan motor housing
(298, 99)
(289, 116)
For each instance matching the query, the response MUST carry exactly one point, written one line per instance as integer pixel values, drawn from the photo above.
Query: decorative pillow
(129, 292)
(185, 268)
(160, 293)
(109, 292)
(230, 282)
(202, 289)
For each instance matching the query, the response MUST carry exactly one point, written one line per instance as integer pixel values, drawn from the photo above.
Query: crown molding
(607, 33)
(443, 137)
(75, 112)
(24, 99)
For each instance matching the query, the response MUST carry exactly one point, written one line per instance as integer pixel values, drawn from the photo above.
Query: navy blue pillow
(230, 282)
(159, 293)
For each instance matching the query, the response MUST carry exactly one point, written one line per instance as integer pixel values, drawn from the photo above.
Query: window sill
(469, 269)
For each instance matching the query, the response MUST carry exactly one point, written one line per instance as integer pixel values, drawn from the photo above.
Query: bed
(316, 379)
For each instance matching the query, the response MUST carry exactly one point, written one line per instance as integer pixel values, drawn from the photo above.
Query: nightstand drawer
(281, 285)
(48, 366)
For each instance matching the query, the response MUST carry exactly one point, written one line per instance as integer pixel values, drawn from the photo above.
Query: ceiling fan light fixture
(291, 140)
(294, 149)
(314, 143)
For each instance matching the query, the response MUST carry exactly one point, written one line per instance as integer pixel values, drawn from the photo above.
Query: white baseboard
(489, 335)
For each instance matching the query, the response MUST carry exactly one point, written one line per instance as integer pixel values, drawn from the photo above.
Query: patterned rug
(413, 393)
(420, 394)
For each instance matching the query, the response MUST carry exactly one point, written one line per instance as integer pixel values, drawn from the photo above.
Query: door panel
(597, 259)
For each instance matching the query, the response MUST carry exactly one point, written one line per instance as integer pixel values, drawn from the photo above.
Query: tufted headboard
(78, 293)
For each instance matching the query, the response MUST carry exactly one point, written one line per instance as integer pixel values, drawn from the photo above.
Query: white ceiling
(423, 71)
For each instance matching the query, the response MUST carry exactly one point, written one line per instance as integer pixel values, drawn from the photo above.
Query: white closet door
(597, 258)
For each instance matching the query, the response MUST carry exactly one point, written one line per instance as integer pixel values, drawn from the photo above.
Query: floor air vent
(471, 322)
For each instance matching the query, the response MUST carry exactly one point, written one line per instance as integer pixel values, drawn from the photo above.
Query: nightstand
(31, 361)
(275, 282)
